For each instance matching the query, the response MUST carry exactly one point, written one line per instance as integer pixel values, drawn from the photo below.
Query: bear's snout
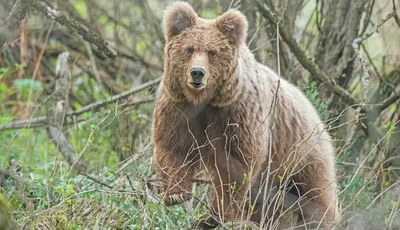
(197, 75)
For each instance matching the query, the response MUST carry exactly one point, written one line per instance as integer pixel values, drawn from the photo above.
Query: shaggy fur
(225, 127)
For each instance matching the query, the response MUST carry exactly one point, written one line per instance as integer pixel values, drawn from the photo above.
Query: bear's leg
(228, 200)
(319, 202)
(263, 201)
(222, 204)
(272, 203)
(176, 170)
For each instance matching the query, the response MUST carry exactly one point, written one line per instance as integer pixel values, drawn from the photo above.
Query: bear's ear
(178, 17)
(233, 24)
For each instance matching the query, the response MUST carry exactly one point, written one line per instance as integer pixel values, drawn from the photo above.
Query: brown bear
(257, 136)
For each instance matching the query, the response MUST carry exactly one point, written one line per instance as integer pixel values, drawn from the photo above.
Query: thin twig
(134, 158)
(93, 64)
(373, 30)
(96, 180)
(376, 69)
(356, 46)
(368, 16)
(381, 193)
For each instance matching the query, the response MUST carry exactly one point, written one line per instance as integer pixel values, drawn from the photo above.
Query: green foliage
(358, 194)
(61, 197)
(4, 72)
(313, 95)
(5, 91)
(211, 13)
(4, 212)
(389, 126)
(81, 8)
(26, 84)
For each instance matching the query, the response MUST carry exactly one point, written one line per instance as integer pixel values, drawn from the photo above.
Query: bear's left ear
(233, 24)
(178, 17)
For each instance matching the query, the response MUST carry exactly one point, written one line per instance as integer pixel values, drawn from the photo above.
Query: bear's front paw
(208, 222)
(177, 198)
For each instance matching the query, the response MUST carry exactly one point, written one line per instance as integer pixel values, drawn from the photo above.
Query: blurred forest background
(78, 80)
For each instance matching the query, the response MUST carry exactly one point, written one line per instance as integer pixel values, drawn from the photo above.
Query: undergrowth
(48, 195)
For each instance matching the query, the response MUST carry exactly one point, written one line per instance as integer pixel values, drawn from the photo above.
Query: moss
(4, 212)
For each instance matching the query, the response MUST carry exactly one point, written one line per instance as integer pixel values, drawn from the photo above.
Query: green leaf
(81, 8)
(141, 46)
(27, 84)
(3, 72)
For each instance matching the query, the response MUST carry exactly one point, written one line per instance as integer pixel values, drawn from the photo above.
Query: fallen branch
(28, 123)
(117, 97)
(17, 178)
(42, 121)
(307, 63)
(78, 28)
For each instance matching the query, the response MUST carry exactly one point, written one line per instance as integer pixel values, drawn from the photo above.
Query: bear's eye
(212, 52)
(190, 50)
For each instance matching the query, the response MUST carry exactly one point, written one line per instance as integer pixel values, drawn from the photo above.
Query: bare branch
(307, 63)
(390, 100)
(375, 29)
(78, 28)
(57, 117)
(16, 178)
(368, 16)
(116, 97)
(18, 12)
(356, 46)
(28, 123)
(42, 121)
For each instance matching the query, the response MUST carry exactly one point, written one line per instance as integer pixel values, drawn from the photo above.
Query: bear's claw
(177, 198)
(208, 222)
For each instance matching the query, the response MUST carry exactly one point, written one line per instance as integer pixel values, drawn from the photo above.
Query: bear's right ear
(178, 17)
(233, 24)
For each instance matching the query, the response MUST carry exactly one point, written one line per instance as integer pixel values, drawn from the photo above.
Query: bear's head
(201, 55)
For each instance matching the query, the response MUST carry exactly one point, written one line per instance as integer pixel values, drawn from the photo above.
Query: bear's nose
(197, 74)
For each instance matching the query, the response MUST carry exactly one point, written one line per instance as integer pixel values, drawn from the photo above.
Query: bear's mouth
(196, 85)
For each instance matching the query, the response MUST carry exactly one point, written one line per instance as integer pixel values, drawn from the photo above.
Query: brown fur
(225, 127)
